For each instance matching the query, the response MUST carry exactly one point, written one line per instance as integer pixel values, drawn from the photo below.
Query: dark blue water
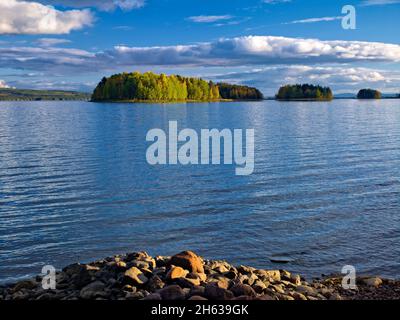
(75, 186)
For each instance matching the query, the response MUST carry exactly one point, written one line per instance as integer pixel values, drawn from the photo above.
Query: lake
(325, 192)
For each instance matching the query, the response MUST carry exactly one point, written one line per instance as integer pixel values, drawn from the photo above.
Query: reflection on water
(75, 186)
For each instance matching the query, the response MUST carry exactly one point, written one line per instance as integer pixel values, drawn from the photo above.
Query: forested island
(149, 86)
(8, 94)
(306, 92)
(369, 94)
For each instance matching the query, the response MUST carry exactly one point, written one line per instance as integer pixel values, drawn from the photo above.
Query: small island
(369, 94)
(304, 92)
(151, 87)
(12, 94)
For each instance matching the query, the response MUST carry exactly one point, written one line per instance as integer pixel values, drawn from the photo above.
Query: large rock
(213, 292)
(92, 290)
(273, 274)
(307, 290)
(135, 277)
(372, 282)
(172, 292)
(240, 289)
(187, 260)
(176, 273)
(155, 283)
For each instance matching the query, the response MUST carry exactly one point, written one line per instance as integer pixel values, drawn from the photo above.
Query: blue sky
(70, 44)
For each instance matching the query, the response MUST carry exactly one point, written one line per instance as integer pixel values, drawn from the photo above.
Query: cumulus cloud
(3, 85)
(21, 17)
(105, 5)
(47, 58)
(251, 50)
(257, 50)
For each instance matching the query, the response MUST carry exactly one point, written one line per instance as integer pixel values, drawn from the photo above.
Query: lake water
(325, 192)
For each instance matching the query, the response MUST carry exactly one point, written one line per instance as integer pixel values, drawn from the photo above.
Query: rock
(159, 271)
(92, 290)
(372, 282)
(245, 269)
(259, 286)
(121, 265)
(309, 291)
(273, 274)
(251, 278)
(176, 272)
(265, 297)
(243, 298)
(213, 292)
(278, 288)
(155, 283)
(285, 274)
(194, 275)
(220, 282)
(298, 296)
(221, 269)
(240, 289)
(27, 284)
(187, 260)
(335, 296)
(153, 297)
(286, 297)
(197, 298)
(134, 276)
(296, 280)
(129, 288)
(162, 261)
(197, 291)
(187, 283)
(231, 274)
(139, 264)
(135, 295)
(172, 292)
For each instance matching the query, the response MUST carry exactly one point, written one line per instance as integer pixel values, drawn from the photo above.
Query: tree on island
(304, 92)
(236, 92)
(369, 94)
(153, 87)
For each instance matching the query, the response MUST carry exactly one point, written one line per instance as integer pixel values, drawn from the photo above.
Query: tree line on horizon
(149, 86)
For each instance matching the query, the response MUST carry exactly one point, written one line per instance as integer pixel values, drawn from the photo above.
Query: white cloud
(378, 2)
(21, 17)
(51, 42)
(275, 1)
(256, 50)
(105, 5)
(313, 20)
(241, 51)
(50, 59)
(3, 85)
(209, 19)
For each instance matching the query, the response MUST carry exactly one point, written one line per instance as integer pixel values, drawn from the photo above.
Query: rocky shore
(186, 276)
